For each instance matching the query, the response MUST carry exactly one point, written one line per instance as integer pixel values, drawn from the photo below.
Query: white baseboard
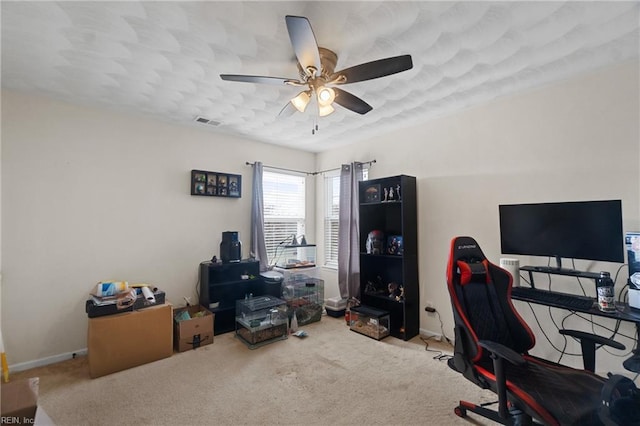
(46, 361)
(431, 334)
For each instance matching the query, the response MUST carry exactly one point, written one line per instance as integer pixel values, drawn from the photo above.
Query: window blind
(284, 210)
(331, 220)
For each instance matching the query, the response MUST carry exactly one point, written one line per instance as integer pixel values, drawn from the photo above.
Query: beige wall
(91, 195)
(576, 140)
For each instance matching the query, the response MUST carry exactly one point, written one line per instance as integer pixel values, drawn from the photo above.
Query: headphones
(620, 402)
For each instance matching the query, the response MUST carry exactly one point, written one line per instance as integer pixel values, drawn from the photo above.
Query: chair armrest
(499, 353)
(503, 352)
(581, 335)
(588, 343)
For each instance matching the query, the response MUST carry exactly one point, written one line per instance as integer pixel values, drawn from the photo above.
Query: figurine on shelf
(393, 246)
(398, 196)
(400, 297)
(386, 194)
(394, 290)
(392, 195)
(370, 288)
(375, 243)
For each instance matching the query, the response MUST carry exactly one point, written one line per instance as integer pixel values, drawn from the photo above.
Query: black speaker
(230, 247)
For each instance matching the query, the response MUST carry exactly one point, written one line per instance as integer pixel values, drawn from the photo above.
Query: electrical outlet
(429, 307)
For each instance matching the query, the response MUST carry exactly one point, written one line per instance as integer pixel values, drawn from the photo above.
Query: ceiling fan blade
(288, 110)
(260, 79)
(351, 102)
(304, 42)
(374, 69)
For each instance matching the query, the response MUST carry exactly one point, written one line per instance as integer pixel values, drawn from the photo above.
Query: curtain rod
(308, 173)
(280, 168)
(338, 168)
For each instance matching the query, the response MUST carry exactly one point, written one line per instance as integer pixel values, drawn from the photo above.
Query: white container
(513, 267)
(336, 303)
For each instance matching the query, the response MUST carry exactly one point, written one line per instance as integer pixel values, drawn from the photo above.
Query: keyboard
(553, 298)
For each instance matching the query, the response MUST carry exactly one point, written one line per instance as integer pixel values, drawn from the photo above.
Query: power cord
(439, 355)
(433, 310)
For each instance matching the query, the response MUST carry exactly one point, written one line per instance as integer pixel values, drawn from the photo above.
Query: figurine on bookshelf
(386, 195)
(392, 195)
(394, 290)
(398, 196)
(370, 288)
(375, 242)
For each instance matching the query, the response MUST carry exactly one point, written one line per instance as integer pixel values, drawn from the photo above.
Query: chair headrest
(467, 260)
(473, 271)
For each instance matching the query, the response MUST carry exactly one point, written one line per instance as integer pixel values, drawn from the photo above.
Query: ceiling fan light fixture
(326, 96)
(301, 101)
(324, 110)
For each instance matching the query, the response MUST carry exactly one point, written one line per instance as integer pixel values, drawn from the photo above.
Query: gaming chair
(491, 350)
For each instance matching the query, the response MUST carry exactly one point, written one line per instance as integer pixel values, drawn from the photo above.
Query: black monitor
(590, 230)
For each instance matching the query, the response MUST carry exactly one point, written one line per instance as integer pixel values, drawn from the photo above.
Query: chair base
(515, 417)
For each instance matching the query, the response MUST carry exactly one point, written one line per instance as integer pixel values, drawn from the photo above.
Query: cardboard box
(121, 341)
(19, 401)
(195, 332)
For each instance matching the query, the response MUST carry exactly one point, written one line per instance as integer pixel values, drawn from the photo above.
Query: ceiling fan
(316, 67)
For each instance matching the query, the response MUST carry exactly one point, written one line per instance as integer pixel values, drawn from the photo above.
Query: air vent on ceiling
(203, 120)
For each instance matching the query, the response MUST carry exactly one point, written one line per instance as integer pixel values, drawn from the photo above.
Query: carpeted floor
(332, 377)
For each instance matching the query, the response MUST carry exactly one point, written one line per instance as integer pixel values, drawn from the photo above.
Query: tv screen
(589, 230)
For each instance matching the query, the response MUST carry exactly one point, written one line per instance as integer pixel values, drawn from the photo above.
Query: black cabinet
(389, 251)
(222, 284)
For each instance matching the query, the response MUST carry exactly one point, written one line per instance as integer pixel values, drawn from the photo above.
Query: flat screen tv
(590, 230)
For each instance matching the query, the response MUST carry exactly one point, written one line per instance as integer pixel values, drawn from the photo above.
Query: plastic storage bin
(261, 320)
(371, 322)
(335, 306)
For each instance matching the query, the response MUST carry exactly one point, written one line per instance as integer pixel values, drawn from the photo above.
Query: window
(331, 219)
(284, 209)
(332, 216)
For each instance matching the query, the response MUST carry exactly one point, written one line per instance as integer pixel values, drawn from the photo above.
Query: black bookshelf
(389, 205)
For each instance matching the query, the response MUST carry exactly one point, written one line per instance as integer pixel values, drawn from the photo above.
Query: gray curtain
(258, 246)
(349, 238)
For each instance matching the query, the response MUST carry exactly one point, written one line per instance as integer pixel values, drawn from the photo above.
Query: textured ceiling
(163, 59)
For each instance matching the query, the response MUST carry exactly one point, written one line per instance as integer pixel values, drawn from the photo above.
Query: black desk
(623, 311)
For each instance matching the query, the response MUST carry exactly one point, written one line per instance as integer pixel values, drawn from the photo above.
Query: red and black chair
(491, 350)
